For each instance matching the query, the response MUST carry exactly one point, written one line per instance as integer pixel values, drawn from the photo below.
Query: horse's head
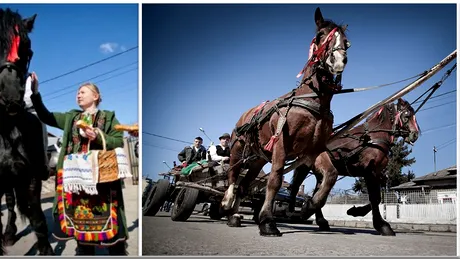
(406, 123)
(15, 56)
(329, 47)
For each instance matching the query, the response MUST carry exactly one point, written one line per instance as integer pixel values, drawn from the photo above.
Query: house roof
(417, 183)
(447, 173)
(409, 185)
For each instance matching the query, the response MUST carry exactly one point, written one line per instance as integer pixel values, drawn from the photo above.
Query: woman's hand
(34, 82)
(90, 134)
(134, 133)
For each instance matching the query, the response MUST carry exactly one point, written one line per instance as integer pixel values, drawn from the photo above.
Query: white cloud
(122, 48)
(108, 47)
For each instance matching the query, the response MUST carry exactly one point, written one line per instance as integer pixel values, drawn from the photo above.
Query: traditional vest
(221, 152)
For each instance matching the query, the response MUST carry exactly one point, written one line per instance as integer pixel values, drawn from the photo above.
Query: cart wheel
(215, 212)
(156, 198)
(184, 204)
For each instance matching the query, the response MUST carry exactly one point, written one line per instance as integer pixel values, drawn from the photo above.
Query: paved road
(203, 236)
(25, 245)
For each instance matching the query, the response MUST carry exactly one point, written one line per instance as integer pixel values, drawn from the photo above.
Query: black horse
(22, 156)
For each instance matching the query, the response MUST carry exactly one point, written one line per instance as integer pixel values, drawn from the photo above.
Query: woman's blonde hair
(95, 89)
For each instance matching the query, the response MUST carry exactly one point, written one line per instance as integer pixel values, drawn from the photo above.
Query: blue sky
(204, 65)
(70, 36)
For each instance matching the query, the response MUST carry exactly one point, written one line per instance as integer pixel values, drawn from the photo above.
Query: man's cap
(225, 135)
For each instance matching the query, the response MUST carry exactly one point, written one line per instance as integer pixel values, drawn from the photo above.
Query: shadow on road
(333, 231)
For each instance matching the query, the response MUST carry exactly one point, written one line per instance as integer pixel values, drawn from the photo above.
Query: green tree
(399, 158)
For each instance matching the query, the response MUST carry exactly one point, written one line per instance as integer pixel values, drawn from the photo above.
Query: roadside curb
(396, 226)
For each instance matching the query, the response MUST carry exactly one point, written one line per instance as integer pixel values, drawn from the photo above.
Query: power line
(438, 128)
(436, 106)
(97, 76)
(159, 136)
(114, 90)
(445, 144)
(159, 147)
(88, 65)
(108, 78)
(439, 95)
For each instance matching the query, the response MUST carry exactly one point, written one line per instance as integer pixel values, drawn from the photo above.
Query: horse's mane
(9, 19)
(330, 25)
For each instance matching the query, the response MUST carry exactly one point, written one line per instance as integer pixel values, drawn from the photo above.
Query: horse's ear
(319, 20)
(29, 23)
(401, 102)
(344, 27)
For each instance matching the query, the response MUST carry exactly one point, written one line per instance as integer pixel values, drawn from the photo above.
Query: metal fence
(420, 207)
(395, 197)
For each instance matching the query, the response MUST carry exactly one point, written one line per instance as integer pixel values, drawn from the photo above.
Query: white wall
(408, 213)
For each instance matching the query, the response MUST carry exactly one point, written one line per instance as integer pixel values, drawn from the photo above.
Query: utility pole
(434, 156)
(164, 162)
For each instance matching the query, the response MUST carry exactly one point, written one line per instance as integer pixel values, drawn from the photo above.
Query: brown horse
(362, 152)
(295, 126)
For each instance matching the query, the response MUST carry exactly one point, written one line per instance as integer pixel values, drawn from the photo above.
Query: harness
(249, 131)
(366, 141)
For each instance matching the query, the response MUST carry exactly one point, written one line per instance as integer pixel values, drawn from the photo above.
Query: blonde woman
(82, 216)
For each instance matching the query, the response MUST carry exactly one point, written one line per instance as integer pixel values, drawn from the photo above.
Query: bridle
(318, 54)
(12, 58)
(401, 125)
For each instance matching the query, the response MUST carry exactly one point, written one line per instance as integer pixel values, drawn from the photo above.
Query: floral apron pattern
(87, 218)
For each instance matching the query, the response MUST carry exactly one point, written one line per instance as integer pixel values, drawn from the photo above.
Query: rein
(434, 87)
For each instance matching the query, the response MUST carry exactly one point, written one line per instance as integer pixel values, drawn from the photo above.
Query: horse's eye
(347, 44)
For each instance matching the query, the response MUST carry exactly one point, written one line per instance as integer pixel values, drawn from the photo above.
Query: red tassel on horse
(13, 54)
(271, 143)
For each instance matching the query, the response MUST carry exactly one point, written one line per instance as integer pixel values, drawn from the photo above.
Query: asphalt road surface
(200, 235)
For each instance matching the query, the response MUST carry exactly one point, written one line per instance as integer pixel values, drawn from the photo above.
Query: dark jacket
(189, 155)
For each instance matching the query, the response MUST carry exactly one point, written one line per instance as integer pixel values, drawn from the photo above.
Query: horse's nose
(345, 60)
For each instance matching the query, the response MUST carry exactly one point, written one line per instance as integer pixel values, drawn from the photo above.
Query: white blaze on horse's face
(337, 60)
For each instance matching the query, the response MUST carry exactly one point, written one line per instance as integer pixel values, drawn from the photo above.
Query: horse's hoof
(47, 251)
(269, 229)
(353, 211)
(323, 225)
(10, 241)
(386, 230)
(234, 221)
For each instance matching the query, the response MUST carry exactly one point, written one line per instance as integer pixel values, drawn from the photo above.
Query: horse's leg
(267, 224)
(11, 229)
(322, 223)
(300, 173)
(37, 217)
(2, 242)
(373, 187)
(229, 199)
(360, 211)
(324, 166)
(234, 220)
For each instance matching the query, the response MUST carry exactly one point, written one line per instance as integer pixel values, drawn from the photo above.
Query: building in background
(436, 187)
